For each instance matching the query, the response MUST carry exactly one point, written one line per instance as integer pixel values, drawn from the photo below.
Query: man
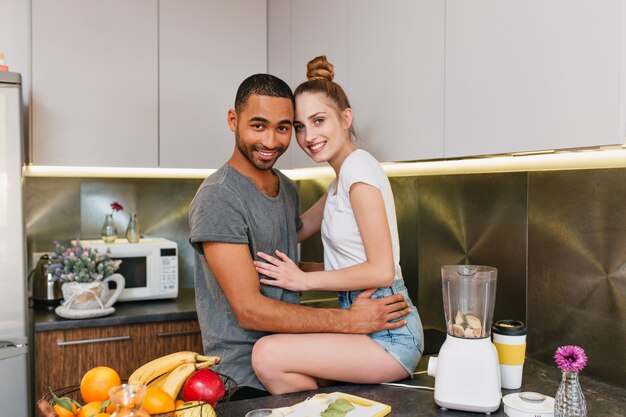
(246, 207)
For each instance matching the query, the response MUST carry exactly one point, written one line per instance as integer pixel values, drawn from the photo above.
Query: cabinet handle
(99, 340)
(177, 333)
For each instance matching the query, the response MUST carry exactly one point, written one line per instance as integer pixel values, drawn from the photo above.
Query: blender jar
(469, 295)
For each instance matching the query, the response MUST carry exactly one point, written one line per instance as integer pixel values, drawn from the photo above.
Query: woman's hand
(284, 272)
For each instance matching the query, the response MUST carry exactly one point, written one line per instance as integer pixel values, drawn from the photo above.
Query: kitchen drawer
(63, 356)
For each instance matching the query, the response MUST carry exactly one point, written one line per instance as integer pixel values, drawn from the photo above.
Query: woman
(361, 251)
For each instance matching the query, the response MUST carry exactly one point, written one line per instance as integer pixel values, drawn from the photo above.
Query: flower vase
(109, 231)
(133, 234)
(569, 400)
(92, 295)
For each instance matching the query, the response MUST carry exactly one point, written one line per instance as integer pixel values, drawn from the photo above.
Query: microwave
(149, 267)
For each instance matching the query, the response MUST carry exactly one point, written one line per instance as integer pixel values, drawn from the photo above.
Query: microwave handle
(178, 333)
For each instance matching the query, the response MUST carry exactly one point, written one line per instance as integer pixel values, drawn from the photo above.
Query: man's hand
(369, 315)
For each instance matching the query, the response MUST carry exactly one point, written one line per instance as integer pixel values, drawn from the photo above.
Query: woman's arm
(312, 219)
(378, 271)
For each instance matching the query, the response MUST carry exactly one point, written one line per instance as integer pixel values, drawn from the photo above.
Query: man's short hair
(262, 85)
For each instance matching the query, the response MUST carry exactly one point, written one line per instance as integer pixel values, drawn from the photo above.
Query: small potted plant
(84, 274)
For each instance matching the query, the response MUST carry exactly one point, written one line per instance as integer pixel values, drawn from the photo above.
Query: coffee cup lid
(509, 327)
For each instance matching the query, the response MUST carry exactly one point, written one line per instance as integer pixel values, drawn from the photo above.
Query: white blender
(467, 372)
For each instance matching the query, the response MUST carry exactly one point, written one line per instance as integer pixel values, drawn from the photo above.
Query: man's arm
(232, 266)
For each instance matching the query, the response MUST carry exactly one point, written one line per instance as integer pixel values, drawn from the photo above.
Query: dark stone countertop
(129, 312)
(602, 399)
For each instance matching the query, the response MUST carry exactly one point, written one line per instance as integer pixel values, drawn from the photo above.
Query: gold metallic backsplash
(558, 239)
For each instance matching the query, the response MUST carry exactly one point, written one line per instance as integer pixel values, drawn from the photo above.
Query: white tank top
(343, 246)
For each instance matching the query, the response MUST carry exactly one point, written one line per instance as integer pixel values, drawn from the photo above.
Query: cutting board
(362, 407)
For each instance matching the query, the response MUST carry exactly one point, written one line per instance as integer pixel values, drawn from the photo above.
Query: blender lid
(528, 404)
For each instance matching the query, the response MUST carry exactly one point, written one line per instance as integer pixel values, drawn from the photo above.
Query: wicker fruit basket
(202, 410)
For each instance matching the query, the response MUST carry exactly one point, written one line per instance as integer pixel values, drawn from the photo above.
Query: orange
(97, 382)
(179, 403)
(90, 409)
(102, 415)
(157, 401)
(64, 412)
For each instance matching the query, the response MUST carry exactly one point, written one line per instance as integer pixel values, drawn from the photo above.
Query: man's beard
(249, 152)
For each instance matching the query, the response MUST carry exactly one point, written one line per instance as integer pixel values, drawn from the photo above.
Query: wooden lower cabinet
(63, 356)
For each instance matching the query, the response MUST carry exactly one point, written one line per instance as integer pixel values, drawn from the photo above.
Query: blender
(467, 374)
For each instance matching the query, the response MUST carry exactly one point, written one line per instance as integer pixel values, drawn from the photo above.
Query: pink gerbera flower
(117, 206)
(570, 358)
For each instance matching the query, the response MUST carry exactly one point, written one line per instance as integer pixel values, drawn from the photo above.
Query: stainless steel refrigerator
(14, 376)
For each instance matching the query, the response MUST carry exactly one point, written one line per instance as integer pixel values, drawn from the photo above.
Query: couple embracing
(245, 226)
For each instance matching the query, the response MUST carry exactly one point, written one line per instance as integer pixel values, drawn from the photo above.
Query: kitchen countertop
(602, 399)
(126, 312)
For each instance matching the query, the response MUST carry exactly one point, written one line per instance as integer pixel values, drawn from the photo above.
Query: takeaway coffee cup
(509, 337)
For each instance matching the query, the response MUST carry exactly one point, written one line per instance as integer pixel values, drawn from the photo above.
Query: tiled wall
(558, 239)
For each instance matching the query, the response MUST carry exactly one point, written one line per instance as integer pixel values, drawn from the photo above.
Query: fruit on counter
(90, 409)
(96, 383)
(204, 385)
(174, 380)
(338, 408)
(465, 325)
(65, 412)
(164, 364)
(157, 401)
(194, 409)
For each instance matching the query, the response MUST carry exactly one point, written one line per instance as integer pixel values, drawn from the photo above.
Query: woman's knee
(263, 355)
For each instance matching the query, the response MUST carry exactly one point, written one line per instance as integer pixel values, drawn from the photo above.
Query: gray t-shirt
(229, 208)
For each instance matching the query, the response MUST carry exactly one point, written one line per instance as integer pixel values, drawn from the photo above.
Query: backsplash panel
(577, 267)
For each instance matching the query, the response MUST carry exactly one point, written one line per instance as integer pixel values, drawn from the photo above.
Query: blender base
(467, 375)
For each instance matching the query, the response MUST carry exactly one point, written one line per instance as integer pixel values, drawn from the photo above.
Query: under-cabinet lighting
(596, 159)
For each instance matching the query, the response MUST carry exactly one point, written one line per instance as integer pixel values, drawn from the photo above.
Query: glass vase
(133, 234)
(127, 400)
(109, 231)
(569, 400)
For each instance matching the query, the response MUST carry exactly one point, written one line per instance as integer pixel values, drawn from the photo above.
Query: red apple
(203, 385)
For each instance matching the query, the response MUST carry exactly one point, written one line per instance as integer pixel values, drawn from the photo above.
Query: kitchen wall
(558, 239)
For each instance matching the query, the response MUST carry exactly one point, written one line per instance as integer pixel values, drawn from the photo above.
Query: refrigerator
(14, 362)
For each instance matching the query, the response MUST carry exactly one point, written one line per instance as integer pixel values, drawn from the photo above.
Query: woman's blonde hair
(320, 74)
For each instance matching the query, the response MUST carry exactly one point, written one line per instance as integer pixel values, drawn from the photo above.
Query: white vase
(92, 295)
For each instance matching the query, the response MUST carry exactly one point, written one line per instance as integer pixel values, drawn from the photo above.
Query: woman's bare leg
(291, 362)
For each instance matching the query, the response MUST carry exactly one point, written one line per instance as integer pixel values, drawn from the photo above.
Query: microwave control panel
(169, 270)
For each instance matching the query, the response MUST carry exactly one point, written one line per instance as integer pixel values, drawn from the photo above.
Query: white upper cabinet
(94, 83)
(396, 74)
(299, 31)
(533, 75)
(388, 57)
(207, 48)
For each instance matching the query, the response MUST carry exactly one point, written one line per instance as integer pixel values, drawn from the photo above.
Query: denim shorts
(405, 344)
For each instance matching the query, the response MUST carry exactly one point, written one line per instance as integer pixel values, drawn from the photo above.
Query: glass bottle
(127, 400)
(133, 233)
(109, 231)
(569, 400)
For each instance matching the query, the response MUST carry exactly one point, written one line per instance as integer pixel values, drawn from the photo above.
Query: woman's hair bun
(320, 69)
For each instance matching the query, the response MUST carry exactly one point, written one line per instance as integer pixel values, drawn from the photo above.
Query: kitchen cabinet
(396, 72)
(94, 83)
(63, 356)
(206, 49)
(141, 84)
(298, 31)
(388, 57)
(533, 75)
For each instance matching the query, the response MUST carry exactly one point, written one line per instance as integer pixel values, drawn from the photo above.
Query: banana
(175, 379)
(164, 364)
(158, 381)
